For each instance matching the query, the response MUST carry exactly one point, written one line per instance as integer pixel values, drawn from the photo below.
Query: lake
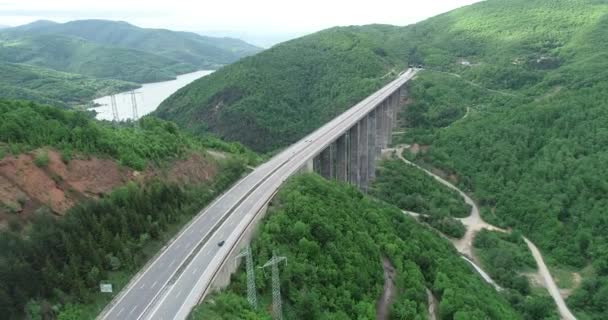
(148, 97)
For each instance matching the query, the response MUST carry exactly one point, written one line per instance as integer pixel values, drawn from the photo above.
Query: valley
(474, 190)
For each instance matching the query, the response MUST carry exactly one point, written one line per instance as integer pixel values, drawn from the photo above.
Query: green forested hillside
(75, 55)
(200, 51)
(113, 49)
(275, 97)
(334, 239)
(42, 85)
(531, 149)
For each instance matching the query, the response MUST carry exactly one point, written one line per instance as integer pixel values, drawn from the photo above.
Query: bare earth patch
(382, 309)
(25, 187)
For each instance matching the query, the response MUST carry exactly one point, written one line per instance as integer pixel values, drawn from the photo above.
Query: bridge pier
(353, 155)
(363, 154)
(390, 119)
(371, 149)
(325, 163)
(380, 129)
(341, 159)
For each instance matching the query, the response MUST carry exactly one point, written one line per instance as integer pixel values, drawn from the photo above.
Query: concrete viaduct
(192, 264)
(351, 157)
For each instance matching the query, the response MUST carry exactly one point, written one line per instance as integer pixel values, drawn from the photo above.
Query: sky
(248, 18)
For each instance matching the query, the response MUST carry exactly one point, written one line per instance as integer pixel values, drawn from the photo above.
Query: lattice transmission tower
(251, 294)
(277, 308)
(114, 108)
(134, 105)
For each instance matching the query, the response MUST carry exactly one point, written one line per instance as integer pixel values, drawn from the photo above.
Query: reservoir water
(148, 97)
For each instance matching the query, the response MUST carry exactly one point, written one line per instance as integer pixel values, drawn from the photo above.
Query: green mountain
(275, 97)
(533, 75)
(88, 46)
(21, 81)
(74, 55)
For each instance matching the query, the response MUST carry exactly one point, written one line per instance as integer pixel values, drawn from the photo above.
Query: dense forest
(335, 239)
(60, 89)
(273, 98)
(531, 147)
(411, 189)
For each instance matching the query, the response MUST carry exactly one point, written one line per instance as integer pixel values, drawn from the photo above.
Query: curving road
(474, 223)
(172, 282)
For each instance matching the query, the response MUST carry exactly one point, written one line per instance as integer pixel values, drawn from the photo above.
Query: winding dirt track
(474, 223)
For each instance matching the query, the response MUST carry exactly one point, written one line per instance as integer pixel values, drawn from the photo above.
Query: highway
(172, 283)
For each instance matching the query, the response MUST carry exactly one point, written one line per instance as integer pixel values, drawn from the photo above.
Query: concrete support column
(308, 167)
(341, 159)
(379, 135)
(372, 134)
(332, 162)
(389, 119)
(353, 155)
(325, 163)
(363, 154)
(386, 131)
(395, 106)
(316, 164)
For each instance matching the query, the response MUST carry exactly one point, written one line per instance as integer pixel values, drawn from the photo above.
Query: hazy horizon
(262, 22)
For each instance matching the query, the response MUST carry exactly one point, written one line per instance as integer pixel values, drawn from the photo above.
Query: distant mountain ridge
(185, 47)
(102, 52)
(117, 50)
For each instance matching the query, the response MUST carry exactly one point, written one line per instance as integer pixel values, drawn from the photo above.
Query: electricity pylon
(277, 312)
(251, 295)
(114, 108)
(134, 105)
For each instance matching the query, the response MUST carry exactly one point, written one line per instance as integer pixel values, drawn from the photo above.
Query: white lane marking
(134, 308)
(121, 310)
(143, 286)
(154, 284)
(194, 271)
(172, 262)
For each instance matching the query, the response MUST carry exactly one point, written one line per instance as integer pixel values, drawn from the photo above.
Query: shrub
(41, 159)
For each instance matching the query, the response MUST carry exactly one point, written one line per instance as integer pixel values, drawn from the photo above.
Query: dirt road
(474, 223)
